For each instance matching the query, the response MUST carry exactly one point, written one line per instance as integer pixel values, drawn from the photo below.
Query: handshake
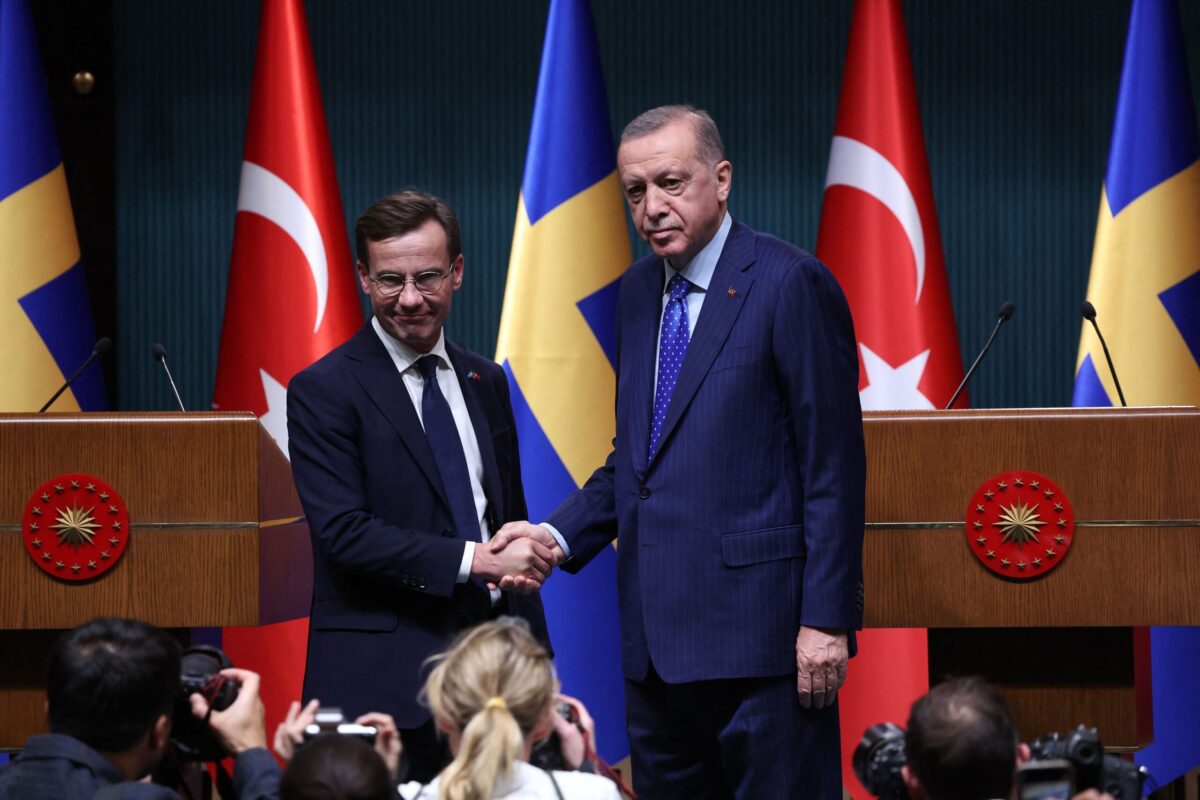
(519, 557)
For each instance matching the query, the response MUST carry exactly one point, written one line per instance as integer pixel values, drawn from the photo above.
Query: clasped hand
(519, 557)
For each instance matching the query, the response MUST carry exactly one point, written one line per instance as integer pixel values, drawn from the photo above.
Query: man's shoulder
(769, 248)
(787, 266)
(56, 766)
(329, 366)
(135, 790)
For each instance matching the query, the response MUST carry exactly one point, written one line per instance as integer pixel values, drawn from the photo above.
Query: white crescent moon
(854, 164)
(264, 193)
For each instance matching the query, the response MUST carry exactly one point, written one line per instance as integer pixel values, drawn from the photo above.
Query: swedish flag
(1145, 284)
(557, 341)
(1145, 280)
(44, 309)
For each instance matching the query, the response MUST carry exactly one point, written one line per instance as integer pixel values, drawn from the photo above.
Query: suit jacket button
(645, 493)
(449, 534)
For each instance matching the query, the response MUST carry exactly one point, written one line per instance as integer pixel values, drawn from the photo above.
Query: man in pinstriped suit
(735, 486)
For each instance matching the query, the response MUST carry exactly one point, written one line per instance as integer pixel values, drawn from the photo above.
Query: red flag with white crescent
(879, 234)
(292, 295)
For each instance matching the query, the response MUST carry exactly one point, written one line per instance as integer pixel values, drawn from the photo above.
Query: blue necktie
(444, 441)
(672, 347)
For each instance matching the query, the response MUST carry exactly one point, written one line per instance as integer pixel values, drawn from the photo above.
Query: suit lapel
(470, 387)
(646, 292)
(726, 295)
(376, 372)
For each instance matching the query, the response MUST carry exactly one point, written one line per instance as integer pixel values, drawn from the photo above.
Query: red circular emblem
(1020, 524)
(75, 527)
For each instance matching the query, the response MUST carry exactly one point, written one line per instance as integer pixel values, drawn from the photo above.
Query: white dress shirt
(405, 358)
(699, 272)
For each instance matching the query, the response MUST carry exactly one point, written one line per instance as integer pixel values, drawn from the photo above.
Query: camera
(880, 755)
(200, 674)
(332, 720)
(1094, 769)
(547, 754)
(877, 761)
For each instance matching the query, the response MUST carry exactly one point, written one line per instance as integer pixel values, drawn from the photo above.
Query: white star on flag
(891, 387)
(275, 420)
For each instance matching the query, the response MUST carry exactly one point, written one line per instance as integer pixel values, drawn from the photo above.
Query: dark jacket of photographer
(57, 767)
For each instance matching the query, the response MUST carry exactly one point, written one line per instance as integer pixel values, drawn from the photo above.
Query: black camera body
(877, 761)
(199, 674)
(547, 754)
(1094, 769)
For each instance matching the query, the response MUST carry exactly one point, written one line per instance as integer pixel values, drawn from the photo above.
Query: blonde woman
(492, 693)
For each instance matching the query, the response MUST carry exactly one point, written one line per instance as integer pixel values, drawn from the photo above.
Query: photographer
(962, 744)
(289, 736)
(112, 684)
(493, 695)
(569, 726)
(336, 767)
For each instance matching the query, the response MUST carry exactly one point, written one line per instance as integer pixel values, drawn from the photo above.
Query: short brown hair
(403, 212)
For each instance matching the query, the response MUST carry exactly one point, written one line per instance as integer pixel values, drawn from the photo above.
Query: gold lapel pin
(732, 292)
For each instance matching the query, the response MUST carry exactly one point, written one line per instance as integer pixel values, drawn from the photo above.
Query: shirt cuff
(464, 566)
(558, 537)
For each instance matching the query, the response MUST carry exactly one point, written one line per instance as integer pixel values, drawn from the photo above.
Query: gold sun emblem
(1019, 523)
(75, 525)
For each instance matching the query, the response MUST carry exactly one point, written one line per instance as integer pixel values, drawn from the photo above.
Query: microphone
(1003, 315)
(160, 355)
(102, 345)
(1089, 313)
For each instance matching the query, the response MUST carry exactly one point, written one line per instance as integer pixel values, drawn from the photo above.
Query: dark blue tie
(447, 449)
(672, 347)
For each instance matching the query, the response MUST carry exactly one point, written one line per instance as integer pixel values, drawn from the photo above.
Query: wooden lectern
(1066, 648)
(216, 535)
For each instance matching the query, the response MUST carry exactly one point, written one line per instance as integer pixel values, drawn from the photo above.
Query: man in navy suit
(735, 486)
(404, 453)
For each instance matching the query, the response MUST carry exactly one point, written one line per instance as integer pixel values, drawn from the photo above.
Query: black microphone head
(1088, 310)
(102, 345)
(159, 351)
(1006, 311)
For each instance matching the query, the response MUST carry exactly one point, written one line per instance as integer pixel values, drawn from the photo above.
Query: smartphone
(368, 732)
(331, 720)
(1053, 779)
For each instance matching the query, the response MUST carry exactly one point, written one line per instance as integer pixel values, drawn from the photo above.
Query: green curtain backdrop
(1016, 96)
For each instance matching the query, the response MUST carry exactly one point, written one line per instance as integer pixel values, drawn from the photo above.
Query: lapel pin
(732, 292)
(473, 375)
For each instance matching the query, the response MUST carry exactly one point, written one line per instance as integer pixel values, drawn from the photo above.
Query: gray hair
(709, 148)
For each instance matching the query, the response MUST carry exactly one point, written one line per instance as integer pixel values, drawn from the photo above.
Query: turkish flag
(292, 296)
(879, 235)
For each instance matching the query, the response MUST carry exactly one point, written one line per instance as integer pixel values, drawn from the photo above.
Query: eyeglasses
(427, 282)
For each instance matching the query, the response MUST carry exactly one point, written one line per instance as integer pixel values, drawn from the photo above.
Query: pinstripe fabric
(747, 522)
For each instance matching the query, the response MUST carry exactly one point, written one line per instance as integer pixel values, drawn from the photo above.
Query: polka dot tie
(672, 348)
(447, 449)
